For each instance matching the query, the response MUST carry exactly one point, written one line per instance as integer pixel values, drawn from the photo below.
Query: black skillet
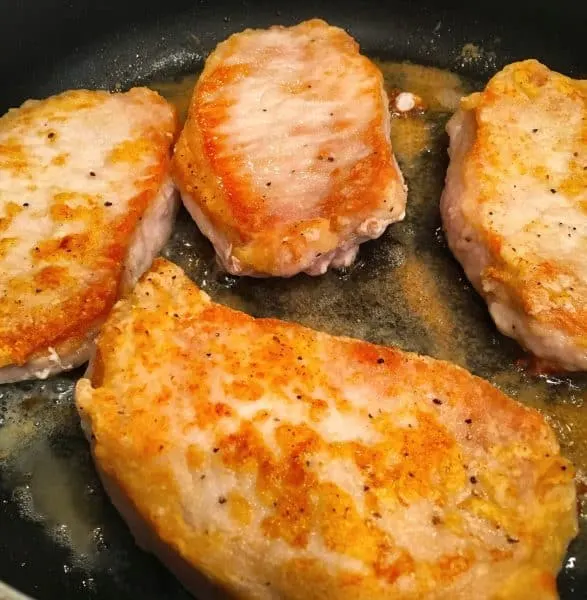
(50, 45)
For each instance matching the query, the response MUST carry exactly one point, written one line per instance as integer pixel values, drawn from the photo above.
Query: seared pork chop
(285, 161)
(285, 463)
(86, 202)
(515, 207)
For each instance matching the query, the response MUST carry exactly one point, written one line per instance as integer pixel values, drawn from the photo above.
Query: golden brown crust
(346, 470)
(84, 211)
(531, 139)
(216, 173)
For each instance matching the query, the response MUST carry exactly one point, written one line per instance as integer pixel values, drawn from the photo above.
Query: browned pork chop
(86, 202)
(515, 207)
(285, 463)
(285, 161)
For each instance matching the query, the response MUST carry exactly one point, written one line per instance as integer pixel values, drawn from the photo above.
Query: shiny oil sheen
(405, 289)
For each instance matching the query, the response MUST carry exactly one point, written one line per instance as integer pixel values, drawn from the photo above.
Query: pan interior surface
(59, 535)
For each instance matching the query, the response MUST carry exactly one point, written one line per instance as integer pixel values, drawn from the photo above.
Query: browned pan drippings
(405, 289)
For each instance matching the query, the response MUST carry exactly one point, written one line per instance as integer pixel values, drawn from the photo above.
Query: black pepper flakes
(468, 421)
(473, 479)
(380, 361)
(377, 515)
(268, 184)
(437, 401)
(331, 159)
(215, 450)
(221, 500)
(92, 174)
(370, 415)
(25, 204)
(366, 488)
(107, 203)
(534, 130)
(299, 396)
(511, 540)
(552, 191)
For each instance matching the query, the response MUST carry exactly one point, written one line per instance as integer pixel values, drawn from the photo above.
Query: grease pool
(405, 289)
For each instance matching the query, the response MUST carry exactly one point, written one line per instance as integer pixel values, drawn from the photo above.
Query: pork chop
(285, 161)
(285, 463)
(86, 202)
(515, 207)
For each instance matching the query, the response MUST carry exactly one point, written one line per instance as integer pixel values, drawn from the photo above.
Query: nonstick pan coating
(50, 45)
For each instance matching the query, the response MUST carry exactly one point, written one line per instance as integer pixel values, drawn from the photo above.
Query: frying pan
(50, 45)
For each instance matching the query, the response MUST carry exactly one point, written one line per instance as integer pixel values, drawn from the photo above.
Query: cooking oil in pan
(45, 463)
(405, 289)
